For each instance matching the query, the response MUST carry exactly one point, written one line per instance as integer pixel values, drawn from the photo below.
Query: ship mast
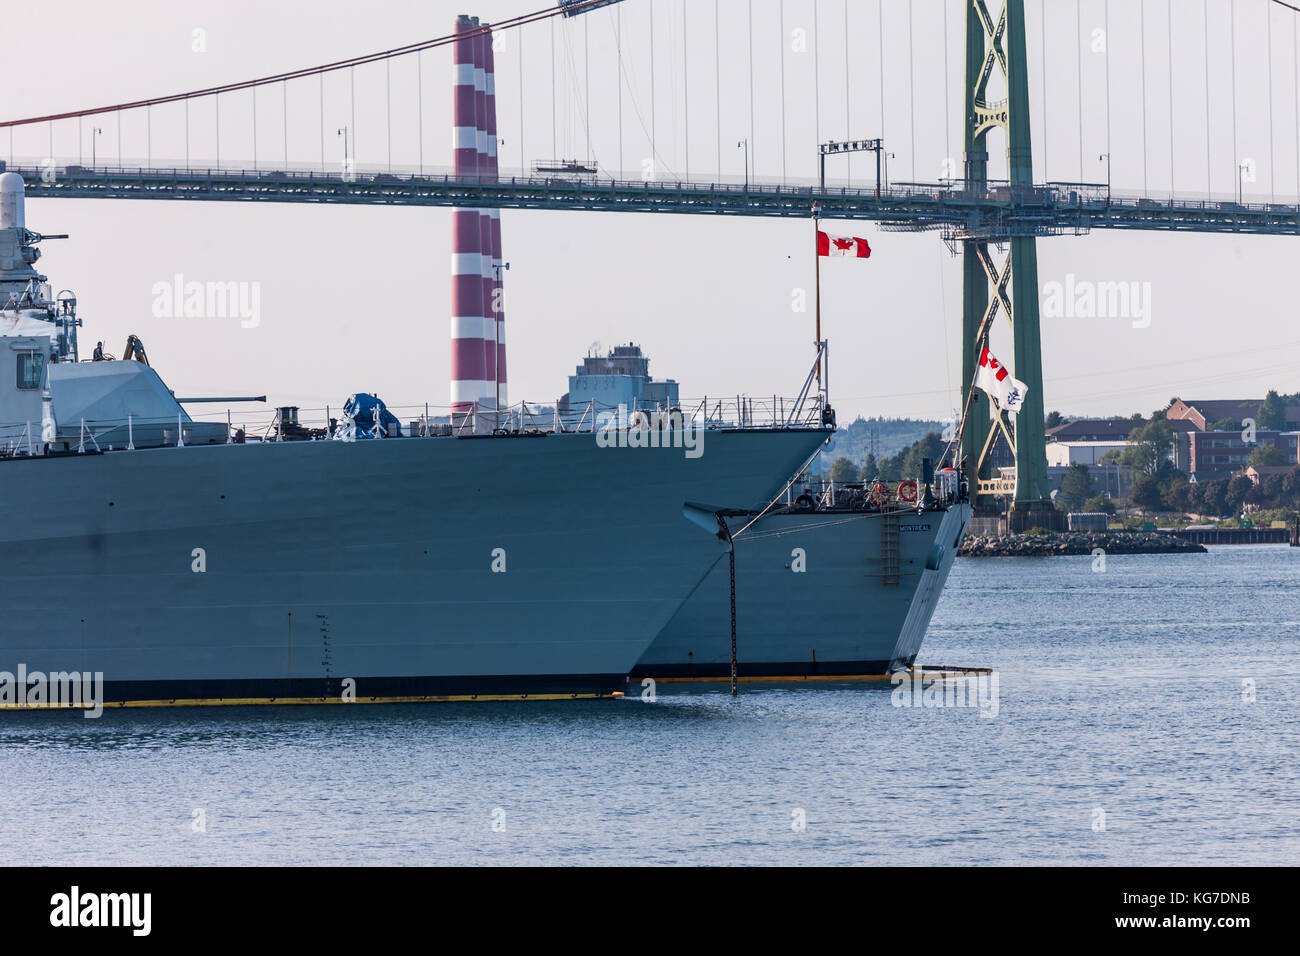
(817, 258)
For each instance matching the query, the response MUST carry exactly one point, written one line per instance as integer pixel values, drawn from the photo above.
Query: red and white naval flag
(850, 246)
(994, 378)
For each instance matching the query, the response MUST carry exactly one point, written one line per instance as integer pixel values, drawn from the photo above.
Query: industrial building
(619, 378)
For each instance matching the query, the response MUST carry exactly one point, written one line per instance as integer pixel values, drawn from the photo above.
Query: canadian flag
(994, 378)
(850, 246)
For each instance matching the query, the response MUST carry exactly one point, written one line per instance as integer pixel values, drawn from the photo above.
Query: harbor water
(1147, 712)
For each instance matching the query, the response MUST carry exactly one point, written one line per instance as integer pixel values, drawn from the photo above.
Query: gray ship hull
(282, 570)
(839, 617)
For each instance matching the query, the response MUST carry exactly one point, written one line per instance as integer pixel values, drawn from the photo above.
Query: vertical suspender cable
(848, 112)
(253, 98)
(148, 138)
(686, 100)
(1042, 43)
(817, 79)
(654, 151)
(419, 109)
(388, 108)
(1232, 47)
(717, 84)
(555, 149)
(618, 50)
(119, 138)
(1142, 58)
(1078, 61)
(284, 103)
(586, 80)
(322, 122)
(911, 86)
(1295, 80)
(880, 11)
(749, 148)
(781, 21)
(947, 116)
(1272, 187)
(1169, 9)
(216, 111)
(352, 96)
(1106, 30)
(519, 45)
(1209, 173)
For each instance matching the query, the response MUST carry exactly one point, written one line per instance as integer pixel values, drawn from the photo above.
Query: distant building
(1214, 455)
(1093, 430)
(1204, 413)
(1206, 458)
(620, 378)
(1114, 432)
(1062, 454)
(1257, 473)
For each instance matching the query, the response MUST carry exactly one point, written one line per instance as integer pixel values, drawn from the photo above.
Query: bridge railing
(1066, 205)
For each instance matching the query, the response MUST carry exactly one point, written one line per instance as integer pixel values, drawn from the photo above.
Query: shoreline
(1076, 543)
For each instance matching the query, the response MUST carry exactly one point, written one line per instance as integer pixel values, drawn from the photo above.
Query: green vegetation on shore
(906, 464)
(876, 439)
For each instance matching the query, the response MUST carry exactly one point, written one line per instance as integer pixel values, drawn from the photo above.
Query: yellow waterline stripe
(244, 701)
(815, 678)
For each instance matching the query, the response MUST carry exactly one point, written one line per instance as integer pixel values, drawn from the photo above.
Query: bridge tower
(1011, 287)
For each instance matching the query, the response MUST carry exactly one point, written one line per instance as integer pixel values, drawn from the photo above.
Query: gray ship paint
(810, 600)
(365, 560)
(183, 568)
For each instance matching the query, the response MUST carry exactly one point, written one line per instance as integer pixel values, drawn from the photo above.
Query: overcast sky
(356, 298)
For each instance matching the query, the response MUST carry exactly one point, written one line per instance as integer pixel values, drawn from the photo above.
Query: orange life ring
(907, 490)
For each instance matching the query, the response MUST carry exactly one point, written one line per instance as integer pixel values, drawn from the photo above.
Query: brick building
(1221, 454)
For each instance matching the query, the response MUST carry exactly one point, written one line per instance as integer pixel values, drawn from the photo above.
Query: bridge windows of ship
(31, 368)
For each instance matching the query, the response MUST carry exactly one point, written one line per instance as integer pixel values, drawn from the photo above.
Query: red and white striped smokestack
(468, 373)
(496, 307)
(482, 47)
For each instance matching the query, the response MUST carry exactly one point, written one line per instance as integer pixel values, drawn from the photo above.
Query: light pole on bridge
(1106, 156)
(744, 144)
(343, 131)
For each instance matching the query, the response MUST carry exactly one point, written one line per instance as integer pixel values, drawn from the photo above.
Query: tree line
(908, 463)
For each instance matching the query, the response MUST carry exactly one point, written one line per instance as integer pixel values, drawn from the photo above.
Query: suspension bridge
(796, 80)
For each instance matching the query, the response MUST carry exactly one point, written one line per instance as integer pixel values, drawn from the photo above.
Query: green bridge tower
(1011, 287)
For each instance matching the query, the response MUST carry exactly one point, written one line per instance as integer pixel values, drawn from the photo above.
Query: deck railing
(24, 439)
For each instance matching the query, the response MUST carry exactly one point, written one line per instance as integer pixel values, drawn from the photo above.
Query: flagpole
(955, 444)
(817, 257)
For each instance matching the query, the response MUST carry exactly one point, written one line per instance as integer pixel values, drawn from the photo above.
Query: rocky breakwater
(1076, 542)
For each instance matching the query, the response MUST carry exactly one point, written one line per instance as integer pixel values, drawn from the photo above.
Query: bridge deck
(996, 210)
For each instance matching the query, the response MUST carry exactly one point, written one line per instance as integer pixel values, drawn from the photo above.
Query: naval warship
(189, 566)
(838, 582)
